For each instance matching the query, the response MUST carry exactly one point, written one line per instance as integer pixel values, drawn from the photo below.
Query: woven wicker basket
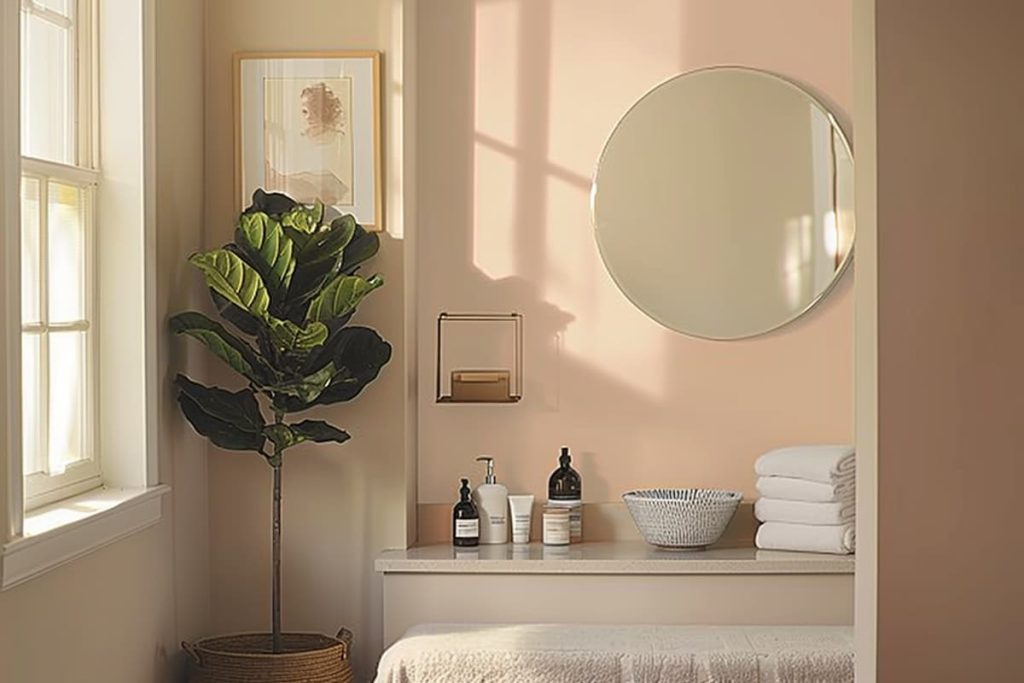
(249, 658)
(682, 518)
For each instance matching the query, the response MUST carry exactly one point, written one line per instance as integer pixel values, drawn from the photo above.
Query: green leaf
(334, 240)
(285, 436)
(281, 436)
(234, 279)
(362, 247)
(229, 420)
(304, 218)
(264, 242)
(359, 356)
(237, 408)
(299, 239)
(319, 431)
(221, 433)
(229, 348)
(319, 259)
(306, 389)
(341, 297)
(243, 320)
(289, 338)
(270, 203)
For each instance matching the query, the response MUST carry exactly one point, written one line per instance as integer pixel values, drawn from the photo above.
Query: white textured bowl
(682, 518)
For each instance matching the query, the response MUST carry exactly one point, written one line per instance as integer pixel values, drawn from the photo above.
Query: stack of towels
(808, 499)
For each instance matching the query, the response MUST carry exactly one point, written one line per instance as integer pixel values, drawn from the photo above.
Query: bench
(575, 653)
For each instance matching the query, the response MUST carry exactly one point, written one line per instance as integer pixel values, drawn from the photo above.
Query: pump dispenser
(465, 520)
(565, 489)
(491, 499)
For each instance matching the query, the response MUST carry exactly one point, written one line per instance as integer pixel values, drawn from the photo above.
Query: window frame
(42, 488)
(131, 393)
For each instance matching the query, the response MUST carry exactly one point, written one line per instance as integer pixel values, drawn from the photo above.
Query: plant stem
(276, 592)
(276, 607)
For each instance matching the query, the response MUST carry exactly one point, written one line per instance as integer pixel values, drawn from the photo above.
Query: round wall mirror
(723, 203)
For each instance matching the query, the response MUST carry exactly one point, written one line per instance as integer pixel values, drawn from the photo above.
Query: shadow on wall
(516, 99)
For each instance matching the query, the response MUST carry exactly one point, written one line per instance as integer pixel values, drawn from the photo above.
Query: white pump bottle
(491, 499)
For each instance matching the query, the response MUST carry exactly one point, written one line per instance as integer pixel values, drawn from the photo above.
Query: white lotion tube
(522, 507)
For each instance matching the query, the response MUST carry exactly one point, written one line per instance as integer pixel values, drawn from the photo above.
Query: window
(82, 389)
(59, 184)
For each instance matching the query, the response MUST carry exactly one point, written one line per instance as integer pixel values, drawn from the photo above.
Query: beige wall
(117, 614)
(341, 505)
(951, 325)
(515, 100)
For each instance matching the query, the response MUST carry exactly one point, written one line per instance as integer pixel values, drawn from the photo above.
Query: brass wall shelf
(498, 379)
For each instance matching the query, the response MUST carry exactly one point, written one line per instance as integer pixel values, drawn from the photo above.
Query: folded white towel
(787, 488)
(800, 512)
(838, 539)
(815, 463)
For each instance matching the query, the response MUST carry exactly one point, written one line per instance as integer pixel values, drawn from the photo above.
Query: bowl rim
(727, 495)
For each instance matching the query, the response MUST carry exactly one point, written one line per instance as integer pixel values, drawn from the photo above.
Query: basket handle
(192, 652)
(345, 636)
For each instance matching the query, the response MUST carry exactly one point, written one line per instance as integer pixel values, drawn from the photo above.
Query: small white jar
(556, 526)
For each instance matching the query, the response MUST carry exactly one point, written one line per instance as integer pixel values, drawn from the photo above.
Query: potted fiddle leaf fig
(288, 285)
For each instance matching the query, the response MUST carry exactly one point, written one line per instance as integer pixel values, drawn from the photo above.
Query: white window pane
(30, 256)
(59, 6)
(66, 247)
(33, 455)
(47, 87)
(67, 400)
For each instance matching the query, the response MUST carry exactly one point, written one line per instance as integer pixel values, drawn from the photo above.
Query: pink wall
(950, 340)
(516, 99)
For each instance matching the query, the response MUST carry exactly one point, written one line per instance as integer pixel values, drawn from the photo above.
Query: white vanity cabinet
(612, 583)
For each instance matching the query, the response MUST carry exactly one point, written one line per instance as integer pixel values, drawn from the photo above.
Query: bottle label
(556, 529)
(467, 528)
(575, 508)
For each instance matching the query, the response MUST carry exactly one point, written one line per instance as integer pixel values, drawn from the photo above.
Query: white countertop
(624, 557)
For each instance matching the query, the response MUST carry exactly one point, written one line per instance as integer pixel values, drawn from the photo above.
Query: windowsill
(57, 534)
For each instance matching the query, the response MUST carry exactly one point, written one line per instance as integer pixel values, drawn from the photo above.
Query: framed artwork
(308, 124)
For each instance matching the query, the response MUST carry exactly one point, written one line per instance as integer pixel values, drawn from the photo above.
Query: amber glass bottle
(565, 489)
(465, 520)
(565, 482)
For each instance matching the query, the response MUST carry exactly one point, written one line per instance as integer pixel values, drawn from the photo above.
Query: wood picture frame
(309, 124)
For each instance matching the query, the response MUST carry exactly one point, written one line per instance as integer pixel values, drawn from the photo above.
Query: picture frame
(309, 124)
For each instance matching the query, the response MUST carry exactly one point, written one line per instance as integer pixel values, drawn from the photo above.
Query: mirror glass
(723, 203)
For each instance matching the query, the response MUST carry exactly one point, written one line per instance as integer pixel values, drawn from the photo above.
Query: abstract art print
(308, 126)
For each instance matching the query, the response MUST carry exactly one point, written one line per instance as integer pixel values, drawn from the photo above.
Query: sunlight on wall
(494, 211)
(556, 253)
(496, 61)
(494, 169)
(597, 52)
(606, 327)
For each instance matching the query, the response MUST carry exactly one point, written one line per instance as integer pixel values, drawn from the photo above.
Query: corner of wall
(866, 340)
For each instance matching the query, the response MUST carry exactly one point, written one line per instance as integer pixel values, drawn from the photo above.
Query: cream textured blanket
(564, 653)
